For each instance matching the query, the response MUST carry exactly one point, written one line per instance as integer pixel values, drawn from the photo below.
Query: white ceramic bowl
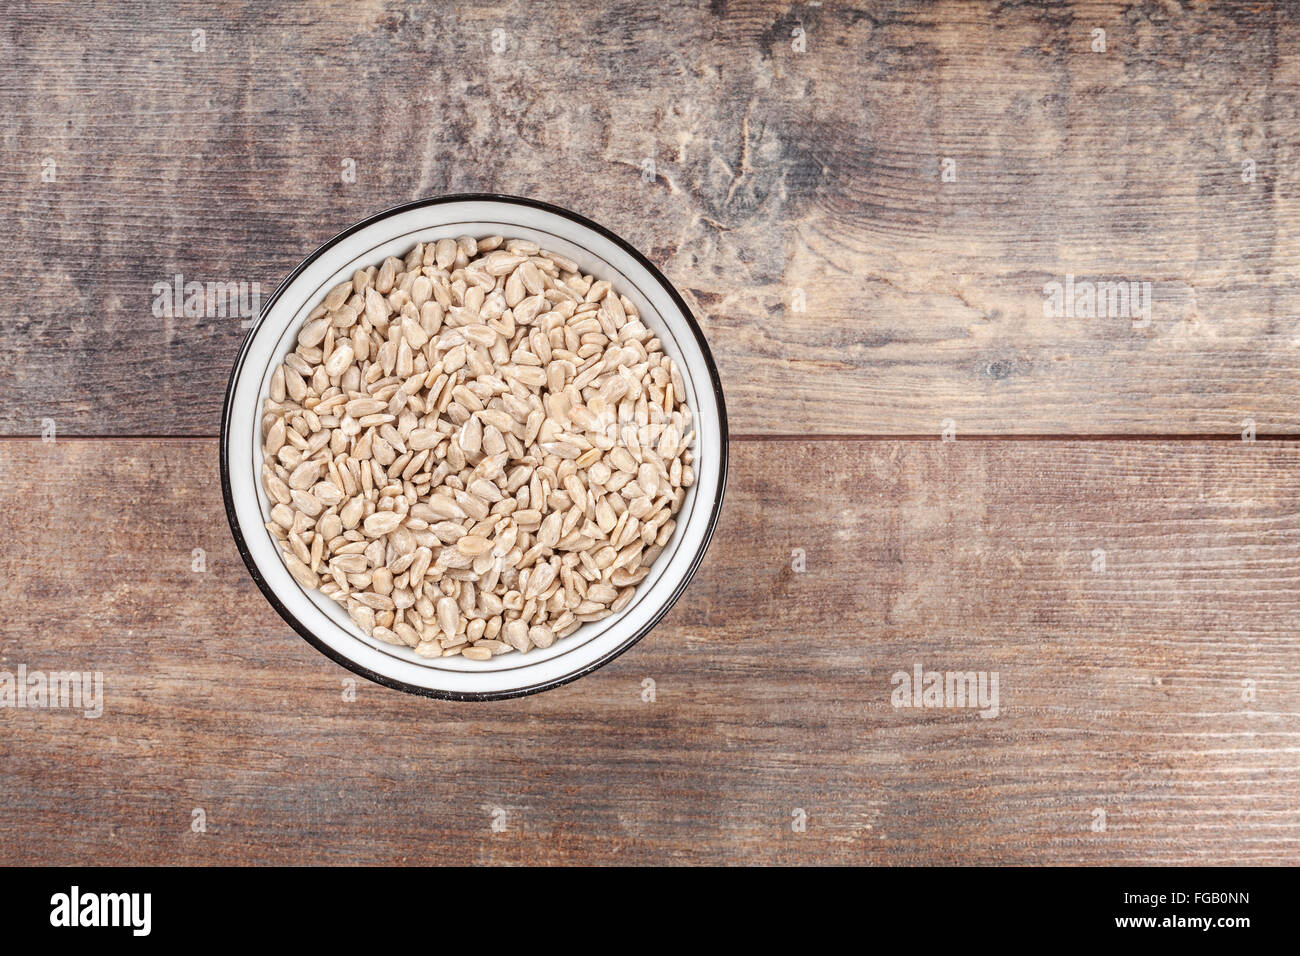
(599, 252)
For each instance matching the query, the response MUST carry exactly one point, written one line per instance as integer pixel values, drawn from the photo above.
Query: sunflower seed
(475, 448)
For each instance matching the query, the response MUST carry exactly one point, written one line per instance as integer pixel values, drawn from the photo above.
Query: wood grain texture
(774, 171)
(1119, 690)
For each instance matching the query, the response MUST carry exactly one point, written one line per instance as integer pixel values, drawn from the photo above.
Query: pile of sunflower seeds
(475, 449)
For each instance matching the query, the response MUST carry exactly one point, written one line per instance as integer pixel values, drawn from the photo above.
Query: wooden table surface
(864, 204)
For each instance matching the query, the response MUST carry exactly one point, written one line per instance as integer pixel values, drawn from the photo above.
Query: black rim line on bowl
(571, 647)
(697, 559)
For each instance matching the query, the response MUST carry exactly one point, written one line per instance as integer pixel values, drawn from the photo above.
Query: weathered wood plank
(1120, 689)
(774, 171)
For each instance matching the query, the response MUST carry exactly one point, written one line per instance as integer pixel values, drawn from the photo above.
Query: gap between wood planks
(973, 437)
(1057, 437)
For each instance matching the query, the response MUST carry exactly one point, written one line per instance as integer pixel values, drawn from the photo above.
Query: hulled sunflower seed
(475, 448)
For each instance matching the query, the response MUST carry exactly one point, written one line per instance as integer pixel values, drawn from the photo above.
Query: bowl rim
(342, 659)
